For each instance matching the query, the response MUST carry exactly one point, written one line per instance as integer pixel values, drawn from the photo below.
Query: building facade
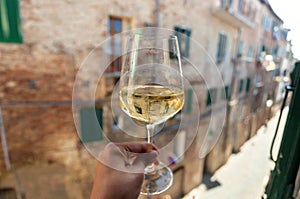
(245, 40)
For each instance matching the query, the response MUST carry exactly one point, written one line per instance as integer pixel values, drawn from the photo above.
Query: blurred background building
(43, 156)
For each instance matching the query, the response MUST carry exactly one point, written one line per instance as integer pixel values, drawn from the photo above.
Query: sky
(288, 11)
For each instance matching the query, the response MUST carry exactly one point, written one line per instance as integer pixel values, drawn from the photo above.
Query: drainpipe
(4, 143)
(157, 21)
(232, 101)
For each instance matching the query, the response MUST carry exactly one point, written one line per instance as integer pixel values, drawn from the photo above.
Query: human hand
(129, 157)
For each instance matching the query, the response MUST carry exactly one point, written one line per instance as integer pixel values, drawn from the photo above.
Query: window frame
(115, 66)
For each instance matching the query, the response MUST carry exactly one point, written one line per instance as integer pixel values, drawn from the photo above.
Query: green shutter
(248, 85)
(211, 96)
(90, 130)
(171, 53)
(208, 98)
(219, 48)
(226, 94)
(188, 33)
(222, 45)
(10, 22)
(241, 86)
(179, 32)
(189, 100)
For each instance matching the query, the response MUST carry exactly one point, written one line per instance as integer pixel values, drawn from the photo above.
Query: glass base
(157, 180)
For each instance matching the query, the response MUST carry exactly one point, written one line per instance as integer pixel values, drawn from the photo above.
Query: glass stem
(150, 131)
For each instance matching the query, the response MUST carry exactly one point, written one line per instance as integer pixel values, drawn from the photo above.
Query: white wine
(151, 103)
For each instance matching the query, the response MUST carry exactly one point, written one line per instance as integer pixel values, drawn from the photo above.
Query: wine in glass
(151, 91)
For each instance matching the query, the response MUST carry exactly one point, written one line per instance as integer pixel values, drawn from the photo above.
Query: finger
(137, 147)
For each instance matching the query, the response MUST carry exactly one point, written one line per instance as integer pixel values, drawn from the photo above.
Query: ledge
(232, 17)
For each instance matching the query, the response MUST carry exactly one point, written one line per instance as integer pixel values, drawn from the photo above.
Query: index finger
(137, 147)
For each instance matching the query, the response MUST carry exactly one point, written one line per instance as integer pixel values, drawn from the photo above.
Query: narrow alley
(245, 175)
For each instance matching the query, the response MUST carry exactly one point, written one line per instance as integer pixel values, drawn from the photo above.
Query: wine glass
(151, 90)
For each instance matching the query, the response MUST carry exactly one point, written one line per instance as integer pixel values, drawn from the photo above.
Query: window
(241, 86)
(222, 43)
(283, 33)
(266, 23)
(261, 51)
(230, 3)
(241, 6)
(250, 10)
(183, 35)
(117, 25)
(226, 94)
(253, 16)
(211, 96)
(240, 49)
(223, 3)
(10, 22)
(275, 26)
(275, 51)
(248, 85)
(250, 51)
(90, 131)
(226, 3)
